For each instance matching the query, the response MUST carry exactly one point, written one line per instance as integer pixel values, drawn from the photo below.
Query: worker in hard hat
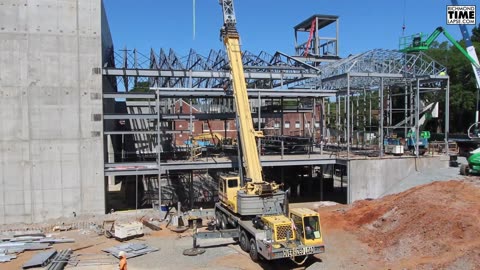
(123, 260)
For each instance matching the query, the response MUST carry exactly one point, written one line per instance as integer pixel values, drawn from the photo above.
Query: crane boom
(247, 133)
(473, 54)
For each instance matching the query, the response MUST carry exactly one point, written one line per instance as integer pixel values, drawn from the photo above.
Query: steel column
(417, 117)
(380, 143)
(348, 115)
(447, 114)
(158, 150)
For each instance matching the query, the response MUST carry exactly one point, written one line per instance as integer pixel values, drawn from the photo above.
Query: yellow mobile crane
(251, 209)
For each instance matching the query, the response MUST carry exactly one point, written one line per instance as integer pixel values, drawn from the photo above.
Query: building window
(276, 125)
(180, 125)
(287, 124)
(317, 124)
(205, 126)
(297, 124)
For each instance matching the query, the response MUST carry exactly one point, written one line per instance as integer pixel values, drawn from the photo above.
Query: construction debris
(62, 228)
(132, 249)
(40, 259)
(91, 259)
(18, 243)
(60, 260)
(56, 240)
(152, 224)
(7, 258)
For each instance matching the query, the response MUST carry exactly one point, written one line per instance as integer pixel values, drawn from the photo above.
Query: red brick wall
(297, 127)
(217, 126)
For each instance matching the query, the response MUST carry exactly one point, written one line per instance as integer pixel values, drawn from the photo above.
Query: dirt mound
(435, 225)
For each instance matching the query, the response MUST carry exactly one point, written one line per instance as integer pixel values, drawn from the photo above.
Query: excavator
(251, 209)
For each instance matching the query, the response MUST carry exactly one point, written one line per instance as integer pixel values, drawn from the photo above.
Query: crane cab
(307, 224)
(228, 186)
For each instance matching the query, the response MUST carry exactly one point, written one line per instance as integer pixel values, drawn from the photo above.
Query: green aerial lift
(473, 166)
(420, 42)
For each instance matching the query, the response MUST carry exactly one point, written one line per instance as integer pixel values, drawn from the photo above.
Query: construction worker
(123, 260)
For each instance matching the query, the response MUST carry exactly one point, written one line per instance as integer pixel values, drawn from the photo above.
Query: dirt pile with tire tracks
(430, 226)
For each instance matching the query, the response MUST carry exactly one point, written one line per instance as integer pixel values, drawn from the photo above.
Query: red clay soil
(434, 226)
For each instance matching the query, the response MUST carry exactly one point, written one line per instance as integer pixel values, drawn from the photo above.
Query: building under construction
(88, 127)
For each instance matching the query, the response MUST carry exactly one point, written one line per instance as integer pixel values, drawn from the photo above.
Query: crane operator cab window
(221, 186)
(312, 227)
(233, 183)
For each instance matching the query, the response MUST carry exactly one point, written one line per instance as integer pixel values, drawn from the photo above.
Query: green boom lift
(420, 42)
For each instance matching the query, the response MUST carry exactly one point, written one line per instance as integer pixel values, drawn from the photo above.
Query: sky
(267, 25)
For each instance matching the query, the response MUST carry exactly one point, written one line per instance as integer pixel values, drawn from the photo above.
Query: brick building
(295, 123)
(226, 128)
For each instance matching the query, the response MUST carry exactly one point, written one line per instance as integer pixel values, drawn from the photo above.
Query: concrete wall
(374, 178)
(51, 158)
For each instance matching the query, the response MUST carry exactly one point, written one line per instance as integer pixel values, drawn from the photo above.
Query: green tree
(462, 82)
(476, 34)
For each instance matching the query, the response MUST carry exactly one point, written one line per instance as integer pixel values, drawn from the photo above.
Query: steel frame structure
(378, 71)
(167, 70)
(195, 79)
(198, 78)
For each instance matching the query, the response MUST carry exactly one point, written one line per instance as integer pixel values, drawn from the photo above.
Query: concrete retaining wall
(373, 178)
(51, 158)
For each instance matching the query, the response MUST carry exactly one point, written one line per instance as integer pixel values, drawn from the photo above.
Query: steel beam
(218, 92)
(118, 169)
(130, 72)
(152, 132)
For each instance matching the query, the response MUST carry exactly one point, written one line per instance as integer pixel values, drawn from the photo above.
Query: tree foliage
(462, 81)
(476, 34)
